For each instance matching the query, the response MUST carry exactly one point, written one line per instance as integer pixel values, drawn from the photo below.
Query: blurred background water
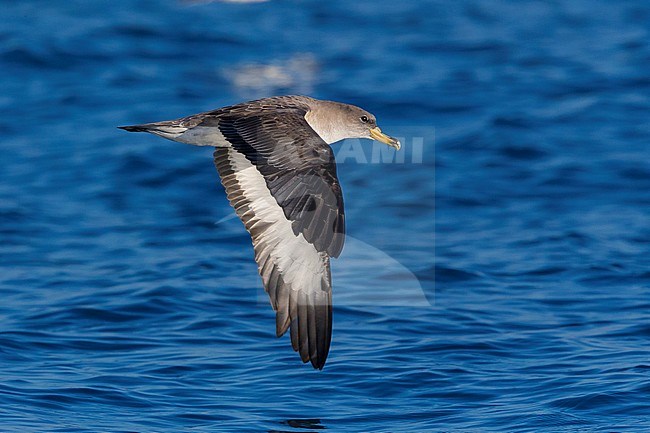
(499, 284)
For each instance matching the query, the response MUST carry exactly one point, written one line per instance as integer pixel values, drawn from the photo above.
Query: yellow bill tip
(376, 134)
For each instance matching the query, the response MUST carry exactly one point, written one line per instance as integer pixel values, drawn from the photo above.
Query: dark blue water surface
(497, 279)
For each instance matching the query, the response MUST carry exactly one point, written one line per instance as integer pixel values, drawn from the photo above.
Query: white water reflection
(297, 74)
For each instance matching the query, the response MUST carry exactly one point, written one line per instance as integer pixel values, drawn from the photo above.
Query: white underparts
(202, 136)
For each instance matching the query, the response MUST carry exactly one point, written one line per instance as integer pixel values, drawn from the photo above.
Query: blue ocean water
(495, 280)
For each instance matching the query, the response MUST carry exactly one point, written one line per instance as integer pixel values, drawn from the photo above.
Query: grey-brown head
(335, 121)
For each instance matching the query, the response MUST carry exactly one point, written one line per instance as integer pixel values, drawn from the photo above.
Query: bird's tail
(170, 130)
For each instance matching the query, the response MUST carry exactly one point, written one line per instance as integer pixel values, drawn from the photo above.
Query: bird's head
(362, 124)
(335, 121)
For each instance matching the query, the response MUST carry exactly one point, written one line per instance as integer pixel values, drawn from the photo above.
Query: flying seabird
(276, 164)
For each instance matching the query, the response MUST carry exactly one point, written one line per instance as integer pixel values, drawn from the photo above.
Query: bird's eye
(364, 119)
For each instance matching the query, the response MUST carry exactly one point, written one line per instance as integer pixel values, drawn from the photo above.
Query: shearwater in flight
(276, 164)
